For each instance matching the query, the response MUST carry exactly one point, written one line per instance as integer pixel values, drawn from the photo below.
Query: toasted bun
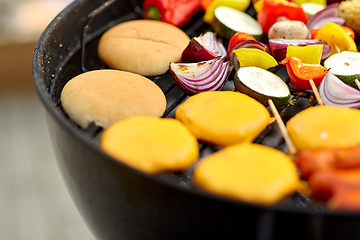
(325, 127)
(142, 46)
(107, 96)
(150, 144)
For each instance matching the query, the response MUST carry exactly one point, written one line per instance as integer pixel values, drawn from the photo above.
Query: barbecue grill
(118, 202)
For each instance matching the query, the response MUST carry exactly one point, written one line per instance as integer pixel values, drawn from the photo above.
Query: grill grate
(271, 136)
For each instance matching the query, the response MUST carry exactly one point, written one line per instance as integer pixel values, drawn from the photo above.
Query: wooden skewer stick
(279, 121)
(337, 49)
(316, 92)
(357, 83)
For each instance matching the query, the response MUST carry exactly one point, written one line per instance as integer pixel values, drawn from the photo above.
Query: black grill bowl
(118, 202)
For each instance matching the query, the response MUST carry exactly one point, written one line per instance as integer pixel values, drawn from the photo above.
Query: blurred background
(34, 202)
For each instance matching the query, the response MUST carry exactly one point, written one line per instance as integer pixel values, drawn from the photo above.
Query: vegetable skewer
(357, 83)
(316, 92)
(290, 145)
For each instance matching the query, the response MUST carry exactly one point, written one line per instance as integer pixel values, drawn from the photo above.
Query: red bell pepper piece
(175, 12)
(205, 4)
(238, 37)
(300, 73)
(272, 10)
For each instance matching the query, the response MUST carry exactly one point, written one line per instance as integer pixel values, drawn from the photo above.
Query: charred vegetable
(204, 76)
(203, 48)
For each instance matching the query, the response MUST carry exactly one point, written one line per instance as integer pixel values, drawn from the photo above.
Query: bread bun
(142, 46)
(107, 96)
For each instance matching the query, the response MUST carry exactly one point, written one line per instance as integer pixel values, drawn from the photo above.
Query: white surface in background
(25, 20)
(34, 203)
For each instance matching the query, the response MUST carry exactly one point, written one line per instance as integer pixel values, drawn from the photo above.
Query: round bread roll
(223, 117)
(248, 172)
(142, 46)
(151, 145)
(107, 96)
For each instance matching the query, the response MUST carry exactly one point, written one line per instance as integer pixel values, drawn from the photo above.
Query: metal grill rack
(57, 59)
(271, 136)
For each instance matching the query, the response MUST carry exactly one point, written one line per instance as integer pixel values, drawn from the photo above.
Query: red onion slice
(203, 76)
(335, 92)
(203, 48)
(278, 47)
(328, 14)
(210, 42)
(321, 22)
(330, 11)
(244, 44)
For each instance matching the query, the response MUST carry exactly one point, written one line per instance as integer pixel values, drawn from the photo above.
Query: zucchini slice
(345, 65)
(311, 8)
(228, 21)
(262, 85)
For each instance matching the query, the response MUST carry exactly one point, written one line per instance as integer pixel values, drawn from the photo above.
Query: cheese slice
(325, 127)
(223, 117)
(248, 172)
(150, 144)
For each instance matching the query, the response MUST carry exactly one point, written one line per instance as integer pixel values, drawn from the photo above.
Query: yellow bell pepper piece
(240, 5)
(336, 37)
(255, 57)
(310, 54)
(322, 2)
(258, 5)
(252, 173)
